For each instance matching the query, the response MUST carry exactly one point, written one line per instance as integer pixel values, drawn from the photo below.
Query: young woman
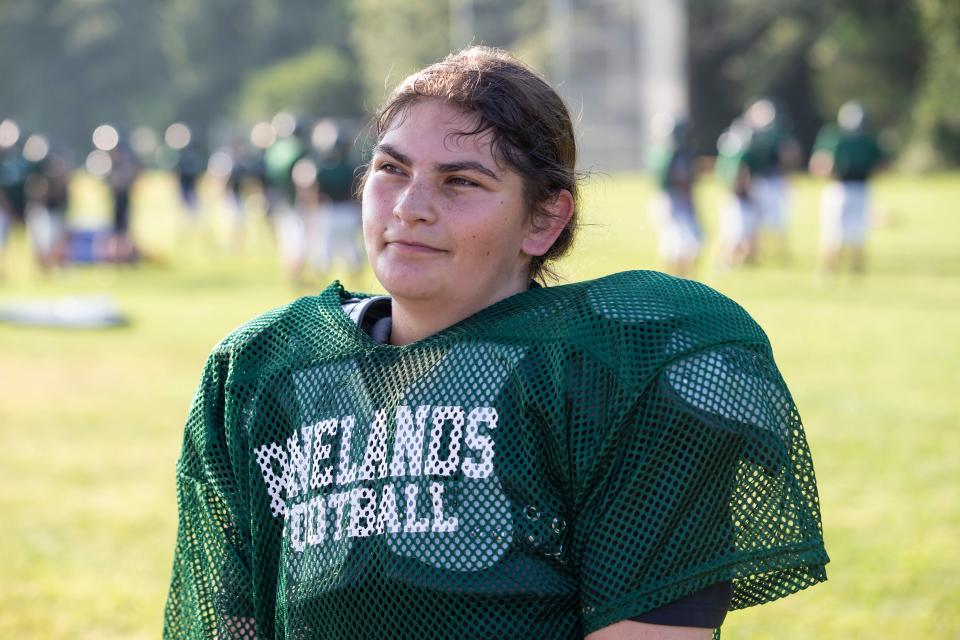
(477, 455)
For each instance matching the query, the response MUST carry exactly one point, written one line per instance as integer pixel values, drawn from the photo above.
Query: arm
(211, 591)
(689, 488)
(630, 630)
(824, 147)
(821, 163)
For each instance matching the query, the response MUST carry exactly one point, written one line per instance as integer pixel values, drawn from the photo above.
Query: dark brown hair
(530, 126)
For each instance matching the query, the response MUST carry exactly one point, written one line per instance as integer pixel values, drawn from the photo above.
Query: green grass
(90, 421)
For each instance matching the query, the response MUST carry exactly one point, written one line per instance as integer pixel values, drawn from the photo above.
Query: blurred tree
(811, 54)
(936, 114)
(69, 65)
(225, 50)
(210, 47)
(532, 41)
(393, 38)
(742, 49)
(320, 82)
(872, 51)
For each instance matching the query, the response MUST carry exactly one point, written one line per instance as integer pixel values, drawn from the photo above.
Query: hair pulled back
(530, 127)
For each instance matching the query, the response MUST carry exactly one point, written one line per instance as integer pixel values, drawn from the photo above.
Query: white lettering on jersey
(412, 524)
(299, 475)
(408, 442)
(346, 470)
(363, 512)
(475, 441)
(441, 523)
(338, 502)
(296, 472)
(266, 456)
(442, 416)
(316, 520)
(374, 463)
(295, 518)
(322, 475)
(388, 520)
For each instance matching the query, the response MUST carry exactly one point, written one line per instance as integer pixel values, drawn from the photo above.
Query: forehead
(434, 125)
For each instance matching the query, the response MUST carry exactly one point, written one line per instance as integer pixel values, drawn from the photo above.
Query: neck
(414, 319)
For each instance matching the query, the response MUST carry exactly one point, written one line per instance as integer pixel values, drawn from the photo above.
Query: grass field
(90, 421)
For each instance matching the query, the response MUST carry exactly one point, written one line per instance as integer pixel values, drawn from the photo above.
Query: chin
(410, 285)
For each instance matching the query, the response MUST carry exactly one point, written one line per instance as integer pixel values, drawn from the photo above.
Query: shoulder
(265, 325)
(288, 335)
(634, 324)
(650, 302)
(633, 295)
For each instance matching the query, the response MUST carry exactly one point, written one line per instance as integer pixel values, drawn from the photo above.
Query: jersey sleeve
(703, 475)
(210, 591)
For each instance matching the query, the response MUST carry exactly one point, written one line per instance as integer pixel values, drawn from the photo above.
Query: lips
(412, 246)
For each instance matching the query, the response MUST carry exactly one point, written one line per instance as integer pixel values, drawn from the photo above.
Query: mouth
(412, 246)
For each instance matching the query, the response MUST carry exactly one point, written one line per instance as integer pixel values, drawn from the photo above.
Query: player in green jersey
(772, 153)
(847, 153)
(477, 455)
(739, 215)
(337, 172)
(672, 209)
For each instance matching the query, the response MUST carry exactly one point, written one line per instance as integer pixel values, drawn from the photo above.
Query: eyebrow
(443, 167)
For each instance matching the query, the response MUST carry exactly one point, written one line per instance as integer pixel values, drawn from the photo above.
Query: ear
(548, 223)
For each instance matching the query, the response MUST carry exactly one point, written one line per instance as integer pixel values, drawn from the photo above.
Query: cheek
(371, 223)
(494, 236)
(374, 205)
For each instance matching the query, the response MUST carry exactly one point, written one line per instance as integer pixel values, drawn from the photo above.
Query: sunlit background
(69, 66)
(173, 120)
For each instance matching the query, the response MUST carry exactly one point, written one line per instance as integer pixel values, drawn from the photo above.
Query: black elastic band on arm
(706, 608)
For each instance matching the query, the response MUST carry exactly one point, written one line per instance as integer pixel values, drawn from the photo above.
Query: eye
(388, 167)
(459, 181)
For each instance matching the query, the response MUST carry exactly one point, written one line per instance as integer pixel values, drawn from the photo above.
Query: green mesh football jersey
(564, 459)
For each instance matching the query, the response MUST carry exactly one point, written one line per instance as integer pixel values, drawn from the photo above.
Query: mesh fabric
(567, 458)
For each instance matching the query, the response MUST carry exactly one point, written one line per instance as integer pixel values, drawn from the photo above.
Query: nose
(415, 203)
